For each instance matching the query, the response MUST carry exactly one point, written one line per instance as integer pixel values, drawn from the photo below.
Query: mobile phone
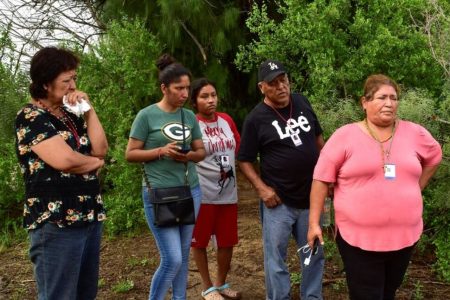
(315, 248)
(184, 150)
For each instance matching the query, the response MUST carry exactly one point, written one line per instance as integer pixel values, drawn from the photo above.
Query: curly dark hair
(46, 65)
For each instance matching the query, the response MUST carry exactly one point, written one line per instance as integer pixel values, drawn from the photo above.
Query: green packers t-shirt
(156, 128)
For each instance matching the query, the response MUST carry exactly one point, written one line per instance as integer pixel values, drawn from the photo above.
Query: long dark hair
(196, 86)
(46, 65)
(170, 70)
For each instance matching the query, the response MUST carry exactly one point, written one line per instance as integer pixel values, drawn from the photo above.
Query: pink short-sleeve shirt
(372, 212)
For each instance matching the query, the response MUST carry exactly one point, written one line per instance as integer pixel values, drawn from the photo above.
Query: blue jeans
(174, 244)
(278, 225)
(66, 261)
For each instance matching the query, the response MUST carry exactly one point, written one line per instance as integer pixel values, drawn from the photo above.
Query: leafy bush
(12, 93)
(120, 77)
(330, 47)
(11, 191)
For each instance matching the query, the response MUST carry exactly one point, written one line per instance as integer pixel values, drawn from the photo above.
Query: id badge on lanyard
(225, 161)
(389, 171)
(295, 137)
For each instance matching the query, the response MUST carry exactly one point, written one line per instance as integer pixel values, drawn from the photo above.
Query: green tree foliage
(13, 96)
(419, 106)
(203, 35)
(436, 25)
(120, 77)
(331, 46)
(12, 87)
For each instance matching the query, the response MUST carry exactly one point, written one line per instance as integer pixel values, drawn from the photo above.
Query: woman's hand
(75, 97)
(101, 164)
(314, 232)
(196, 154)
(319, 190)
(172, 150)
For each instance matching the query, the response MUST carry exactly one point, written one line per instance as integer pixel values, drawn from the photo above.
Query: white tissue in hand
(79, 108)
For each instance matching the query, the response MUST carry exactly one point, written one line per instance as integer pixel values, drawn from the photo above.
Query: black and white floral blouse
(52, 195)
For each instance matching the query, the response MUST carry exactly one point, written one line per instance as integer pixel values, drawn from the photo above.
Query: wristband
(159, 153)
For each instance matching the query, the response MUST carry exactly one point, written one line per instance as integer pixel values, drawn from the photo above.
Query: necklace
(290, 124)
(215, 119)
(279, 114)
(65, 119)
(384, 153)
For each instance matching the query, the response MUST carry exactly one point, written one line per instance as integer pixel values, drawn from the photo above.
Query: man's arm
(265, 192)
(320, 142)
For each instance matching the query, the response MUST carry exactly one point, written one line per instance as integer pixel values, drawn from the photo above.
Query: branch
(45, 22)
(436, 118)
(432, 19)
(93, 11)
(210, 4)
(200, 47)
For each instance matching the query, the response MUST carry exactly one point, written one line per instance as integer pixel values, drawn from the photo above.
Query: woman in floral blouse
(60, 153)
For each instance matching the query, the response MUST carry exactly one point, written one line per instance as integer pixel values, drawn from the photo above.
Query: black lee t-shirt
(286, 163)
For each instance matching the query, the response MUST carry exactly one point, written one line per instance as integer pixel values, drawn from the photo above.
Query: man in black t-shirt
(286, 134)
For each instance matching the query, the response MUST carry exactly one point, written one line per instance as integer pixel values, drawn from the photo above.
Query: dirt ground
(127, 264)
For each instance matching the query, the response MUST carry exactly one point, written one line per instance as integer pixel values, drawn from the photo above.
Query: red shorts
(217, 219)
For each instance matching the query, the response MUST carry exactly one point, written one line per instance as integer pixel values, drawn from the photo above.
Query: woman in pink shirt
(378, 166)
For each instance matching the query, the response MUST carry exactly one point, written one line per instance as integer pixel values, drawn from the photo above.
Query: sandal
(229, 293)
(212, 294)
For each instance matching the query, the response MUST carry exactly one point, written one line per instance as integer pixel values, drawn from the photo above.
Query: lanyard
(384, 153)
(279, 114)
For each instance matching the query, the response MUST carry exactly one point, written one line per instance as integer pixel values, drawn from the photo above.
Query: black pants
(373, 275)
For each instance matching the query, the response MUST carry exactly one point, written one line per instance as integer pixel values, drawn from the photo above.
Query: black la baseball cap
(270, 69)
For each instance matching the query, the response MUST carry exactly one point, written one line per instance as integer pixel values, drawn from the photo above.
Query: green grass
(134, 261)
(10, 234)
(123, 286)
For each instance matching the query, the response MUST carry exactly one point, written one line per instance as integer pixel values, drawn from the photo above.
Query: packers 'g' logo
(174, 131)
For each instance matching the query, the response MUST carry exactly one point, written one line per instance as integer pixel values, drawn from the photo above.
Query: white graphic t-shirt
(217, 172)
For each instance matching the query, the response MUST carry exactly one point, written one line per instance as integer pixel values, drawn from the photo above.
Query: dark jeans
(373, 275)
(66, 261)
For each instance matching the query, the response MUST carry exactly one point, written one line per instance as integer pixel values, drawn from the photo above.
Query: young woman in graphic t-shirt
(217, 174)
(155, 140)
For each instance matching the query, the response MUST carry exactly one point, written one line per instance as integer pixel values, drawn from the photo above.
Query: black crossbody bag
(172, 206)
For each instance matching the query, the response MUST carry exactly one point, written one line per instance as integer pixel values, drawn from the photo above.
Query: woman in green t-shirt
(155, 139)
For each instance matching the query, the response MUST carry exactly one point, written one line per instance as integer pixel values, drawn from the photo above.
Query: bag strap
(186, 170)
(147, 183)
(182, 128)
